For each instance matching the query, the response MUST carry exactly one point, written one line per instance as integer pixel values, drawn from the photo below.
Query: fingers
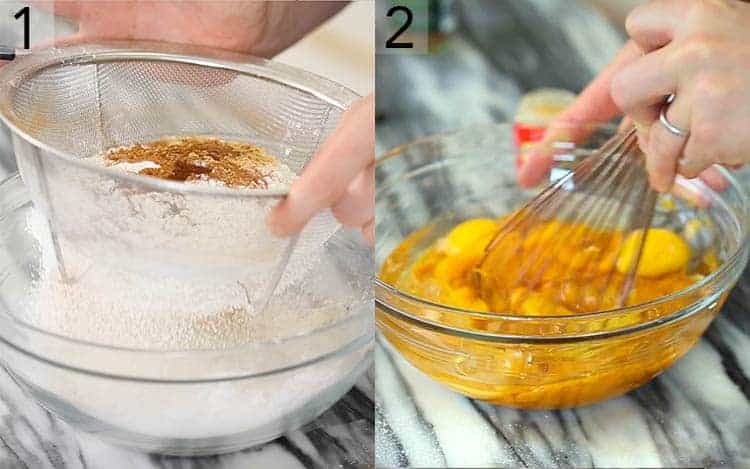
(333, 174)
(625, 124)
(593, 106)
(355, 208)
(653, 24)
(698, 155)
(641, 130)
(664, 147)
(658, 22)
(690, 51)
(639, 87)
(714, 179)
(718, 132)
(368, 232)
(68, 9)
(535, 167)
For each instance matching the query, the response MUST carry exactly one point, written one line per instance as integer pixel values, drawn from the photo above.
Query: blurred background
(485, 55)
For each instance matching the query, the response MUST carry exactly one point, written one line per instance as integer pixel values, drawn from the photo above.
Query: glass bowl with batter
(438, 204)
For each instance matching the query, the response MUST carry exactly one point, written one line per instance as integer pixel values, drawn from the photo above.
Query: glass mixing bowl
(533, 362)
(186, 401)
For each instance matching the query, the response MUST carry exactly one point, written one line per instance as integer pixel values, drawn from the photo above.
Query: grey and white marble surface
(697, 414)
(32, 438)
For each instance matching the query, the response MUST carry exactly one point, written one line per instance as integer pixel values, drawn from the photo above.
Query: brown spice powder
(196, 158)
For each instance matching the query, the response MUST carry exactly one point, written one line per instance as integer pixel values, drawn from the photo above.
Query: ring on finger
(664, 147)
(673, 129)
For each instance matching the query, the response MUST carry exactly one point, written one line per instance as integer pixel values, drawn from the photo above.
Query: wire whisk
(571, 239)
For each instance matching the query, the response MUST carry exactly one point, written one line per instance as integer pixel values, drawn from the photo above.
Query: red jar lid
(536, 111)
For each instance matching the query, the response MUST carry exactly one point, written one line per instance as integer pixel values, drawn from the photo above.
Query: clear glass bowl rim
(335, 94)
(506, 128)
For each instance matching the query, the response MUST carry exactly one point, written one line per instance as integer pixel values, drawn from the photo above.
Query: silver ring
(673, 129)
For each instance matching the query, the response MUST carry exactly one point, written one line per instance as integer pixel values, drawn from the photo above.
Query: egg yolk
(554, 268)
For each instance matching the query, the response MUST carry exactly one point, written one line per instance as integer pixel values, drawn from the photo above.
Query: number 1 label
(25, 12)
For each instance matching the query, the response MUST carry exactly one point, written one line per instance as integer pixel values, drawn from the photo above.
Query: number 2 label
(391, 43)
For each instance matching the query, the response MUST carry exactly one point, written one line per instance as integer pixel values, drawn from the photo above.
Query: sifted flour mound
(179, 235)
(118, 307)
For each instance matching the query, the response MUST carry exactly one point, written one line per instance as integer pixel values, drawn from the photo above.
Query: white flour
(119, 307)
(163, 271)
(215, 243)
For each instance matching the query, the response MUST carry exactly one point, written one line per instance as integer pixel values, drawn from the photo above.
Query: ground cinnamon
(196, 158)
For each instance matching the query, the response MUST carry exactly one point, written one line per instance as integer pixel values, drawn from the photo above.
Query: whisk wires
(573, 232)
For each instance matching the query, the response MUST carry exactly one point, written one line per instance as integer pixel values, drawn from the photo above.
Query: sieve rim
(12, 74)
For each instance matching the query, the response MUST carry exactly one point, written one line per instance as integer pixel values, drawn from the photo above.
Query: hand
(700, 51)
(341, 176)
(593, 106)
(693, 48)
(259, 28)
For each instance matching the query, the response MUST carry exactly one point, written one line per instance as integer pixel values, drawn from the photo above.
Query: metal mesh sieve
(65, 105)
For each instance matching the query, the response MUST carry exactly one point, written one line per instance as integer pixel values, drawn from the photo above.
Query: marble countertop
(32, 438)
(697, 414)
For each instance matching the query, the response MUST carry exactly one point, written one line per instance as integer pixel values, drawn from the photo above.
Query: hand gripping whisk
(575, 230)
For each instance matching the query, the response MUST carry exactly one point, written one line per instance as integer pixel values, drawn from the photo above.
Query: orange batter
(571, 278)
(551, 269)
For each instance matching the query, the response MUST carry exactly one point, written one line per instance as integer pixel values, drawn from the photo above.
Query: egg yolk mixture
(551, 269)
(580, 270)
